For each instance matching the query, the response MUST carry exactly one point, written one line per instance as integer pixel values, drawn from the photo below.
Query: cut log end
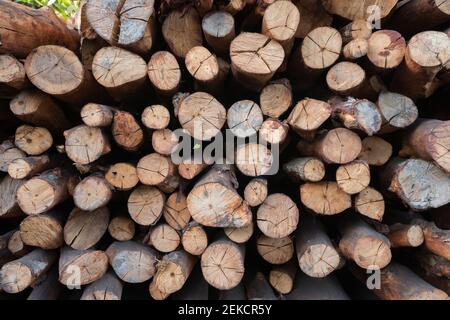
(370, 203)
(275, 251)
(145, 205)
(164, 238)
(324, 197)
(353, 177)
(255, 192)
(164, 72)
(156, 117)
(321, 48)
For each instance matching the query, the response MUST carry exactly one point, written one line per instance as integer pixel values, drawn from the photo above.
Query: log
(107, 287)
(222, 264)
(255, 192)
(155, 117)
(273, 131)
(43, 192)
(145, 205)
(405, 235)
(214, 202)
(182, 31)
(356, 29)
(308, 288)
(325, 198)
(84, 229)
(316, 255)
(92, 193)
(156, 170)
(218, 29)
(126, 131)
(48, 288)
(281, 278)
(362, 244)
(308, 169)
(122, 176)
(254, 159)
(80, 267)
(278, 216)
(29, 166)
(164, 238)
(195, 288)
(203, 66)
(44, 230)
(426, 55)
(353, 177)
(155, 293)
(275, 251)
(133, 262)
(258, 288)
(8, 153)
(194, 238)
(312, 16)
(97, 115)
(164, 73)
(338, 145)
(351, 10)
(254, 59)
(33, 140)
(9, 206)
(201, 115)
(276, 98)
(244, 118)
(370, 203)
(386, 49)
(301, 118)
(435, 240)
(428, 139)
(175, 212)
(127, 24)
(233, 6)
(397, 111)
(432, 264)
(20, 274)
(375, 151)
(355, 49)
(121, 72)
(189, 169)
(58, 71)
(89, 48)
(25, 29)
(121, 228)
(12, 76)
(240, 235)
(164, 141)
(86, 144)
(16, 245)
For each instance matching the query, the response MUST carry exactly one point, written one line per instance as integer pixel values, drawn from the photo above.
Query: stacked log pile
(338, 169)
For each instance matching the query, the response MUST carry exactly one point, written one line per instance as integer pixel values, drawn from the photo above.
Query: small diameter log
(240, 235)
(214, 201)
(164, 73)
(218, 28)
(86, 144)
(201, 115)
(29, 166)
(276, 98)
(357, 29)
(273, 131)
(12, 75)
(355, 49)
(353, 177)
(155, 117)
(275, 251)
(307, 169)
(145, 205)
(308, 288)
(48, 288)
(122, 176)
(203, 66)
(16, 245)
(84, 229)
(370, 203)
(43, 192)
(351, 10)
(359, 114)
(282, 278)
(97, 115)
(338, 145)
(133, 262)
(8, 153)
(107, 287)
(121, 228)
(316, 255)
(254, 159)
(312, 16)
(58, 71)
(428, 139)
(278, 216)
(189, 169)
(255, 192)
(121, 72)
(173, 271)
(126, 131)
(362, 244)
(9, 206)
(405, 235)
(348, 78)
(33, 140)
(254, 59)
(308, 115)
(182, 31)
(375, 151)
(42, 27)
(222, 264)
(419, 184)
(155, 169)
(324, 197)
(80, 267)
(436, 240)
(164, 141)
(397, 111)
(164, 238)
(258, 288)
(43, 230)
(194, 238)
(319, 50)
(128, 24)
(426, 55)
(386, 49)
(400, 283)
(233, 6)
(244, 118)
(92, 193)
(175, 212)
(20, 274)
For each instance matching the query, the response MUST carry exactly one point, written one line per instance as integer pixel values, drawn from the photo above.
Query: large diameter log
(276, 98)
(58, 71)
(43, 192)
(12, 76)
(308, 115)
(8, 153)
(218, 28)
(312, 16)
(325, 198)
(362, 244)
(275, 251)
(24, 29)
(9, 206)
(316, 255)
(107, 287)
(145, 205)
(164, 72)
(375, 151)
(122, 176)
(397, 111)
(214, 201)
(43, 230)
(254, 59)
(17, 275)
(194, 238)
(436, 240)
(126, 131)
(351, 10)
(222, 264)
